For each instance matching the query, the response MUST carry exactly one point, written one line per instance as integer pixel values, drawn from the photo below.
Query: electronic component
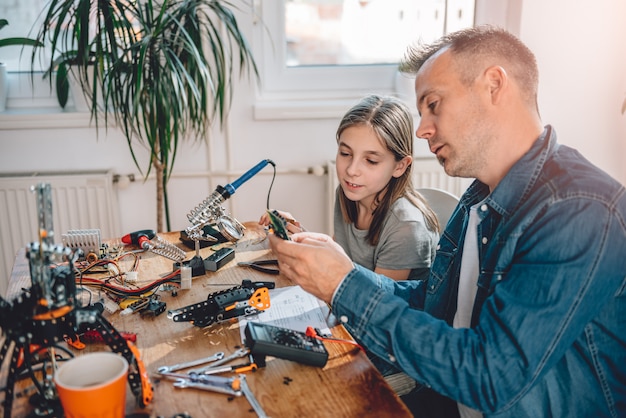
(278, 224)
(196, 263)
(269, 340)
(219, 258)
(86, 240)
(185, 277)
(154, 308)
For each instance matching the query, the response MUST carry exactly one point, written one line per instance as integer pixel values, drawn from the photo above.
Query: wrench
(250, 397)
(229, 386)
(215, 357)
(242, 352)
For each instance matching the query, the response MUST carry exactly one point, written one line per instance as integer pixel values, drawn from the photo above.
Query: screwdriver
(139, 238)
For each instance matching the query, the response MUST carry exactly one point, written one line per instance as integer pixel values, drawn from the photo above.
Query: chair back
(442, 202)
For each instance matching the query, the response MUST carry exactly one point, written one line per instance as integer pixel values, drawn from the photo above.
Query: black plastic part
(223, 191)
(154, 308)
(219, 258)
(208, 230)
(196, 263)
(212, 310)
(269, 340)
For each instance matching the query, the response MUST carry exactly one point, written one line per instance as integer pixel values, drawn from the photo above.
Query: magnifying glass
(230, 228)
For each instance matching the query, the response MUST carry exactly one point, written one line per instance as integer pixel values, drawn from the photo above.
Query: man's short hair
(475, 49)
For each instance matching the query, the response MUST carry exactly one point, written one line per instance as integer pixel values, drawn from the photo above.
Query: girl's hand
(293, 226)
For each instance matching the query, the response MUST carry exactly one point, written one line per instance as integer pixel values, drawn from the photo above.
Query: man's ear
(402, 165)
(497, 80)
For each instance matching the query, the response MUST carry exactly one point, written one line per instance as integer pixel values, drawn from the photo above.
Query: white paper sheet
(293, 308)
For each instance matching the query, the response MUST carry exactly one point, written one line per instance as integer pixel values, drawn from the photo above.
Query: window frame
(326, 91)
(284, 93)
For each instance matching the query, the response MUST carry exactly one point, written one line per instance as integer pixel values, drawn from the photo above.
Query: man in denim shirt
(538, 328)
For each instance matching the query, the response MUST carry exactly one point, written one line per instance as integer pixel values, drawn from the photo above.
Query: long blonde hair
(392, 123)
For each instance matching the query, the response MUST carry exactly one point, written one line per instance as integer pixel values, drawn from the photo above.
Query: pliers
(258, 266)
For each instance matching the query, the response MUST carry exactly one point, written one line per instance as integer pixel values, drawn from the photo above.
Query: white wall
(581, 51)
(580, 47)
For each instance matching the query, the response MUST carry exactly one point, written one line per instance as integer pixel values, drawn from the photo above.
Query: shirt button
(485, 240)
(344, 319)
(392, 358)
(483, 208)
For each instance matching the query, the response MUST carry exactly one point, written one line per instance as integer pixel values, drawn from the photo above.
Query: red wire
(125, 291)
(310, 331)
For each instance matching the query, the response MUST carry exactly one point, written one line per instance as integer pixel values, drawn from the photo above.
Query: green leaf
(163, 68)
(19, 41)
(16, 40)
(62, 85)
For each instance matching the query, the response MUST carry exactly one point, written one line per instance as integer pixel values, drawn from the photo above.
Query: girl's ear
(402, 165)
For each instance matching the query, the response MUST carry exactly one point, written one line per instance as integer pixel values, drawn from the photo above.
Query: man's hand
(312, 260)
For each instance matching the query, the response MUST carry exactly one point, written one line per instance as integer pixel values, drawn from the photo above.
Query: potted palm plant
(161, 69)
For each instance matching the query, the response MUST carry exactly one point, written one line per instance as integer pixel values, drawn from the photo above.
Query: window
(21, 16)
(27, 92)
(306, 71)
(366, 32)
(317, 56)
(337, 50)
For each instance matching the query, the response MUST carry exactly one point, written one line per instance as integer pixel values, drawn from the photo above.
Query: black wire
(28, 367)
(65, 350)
(269, 191)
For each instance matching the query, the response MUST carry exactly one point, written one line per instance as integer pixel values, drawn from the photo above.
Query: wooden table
(348, 386)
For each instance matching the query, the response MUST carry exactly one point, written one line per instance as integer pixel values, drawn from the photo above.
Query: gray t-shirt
(405, 242)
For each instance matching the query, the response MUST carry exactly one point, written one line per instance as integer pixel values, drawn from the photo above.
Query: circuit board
(278, 224)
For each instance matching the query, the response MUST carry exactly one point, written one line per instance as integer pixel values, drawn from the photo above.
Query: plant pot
(4, 86)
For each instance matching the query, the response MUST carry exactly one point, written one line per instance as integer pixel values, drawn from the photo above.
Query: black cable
(28, 366)
(269, 191)
(80, 284)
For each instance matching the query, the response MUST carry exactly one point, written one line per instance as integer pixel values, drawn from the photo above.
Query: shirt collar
(521, 177)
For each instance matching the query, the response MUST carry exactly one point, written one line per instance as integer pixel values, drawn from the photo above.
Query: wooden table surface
(348, 386)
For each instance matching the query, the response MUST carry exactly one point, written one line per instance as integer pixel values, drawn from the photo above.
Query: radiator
(427, 172)
(80, 200)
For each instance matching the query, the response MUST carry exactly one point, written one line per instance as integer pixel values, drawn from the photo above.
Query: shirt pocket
(447, 250)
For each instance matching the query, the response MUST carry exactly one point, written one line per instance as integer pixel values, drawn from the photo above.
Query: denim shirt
(548, 333)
